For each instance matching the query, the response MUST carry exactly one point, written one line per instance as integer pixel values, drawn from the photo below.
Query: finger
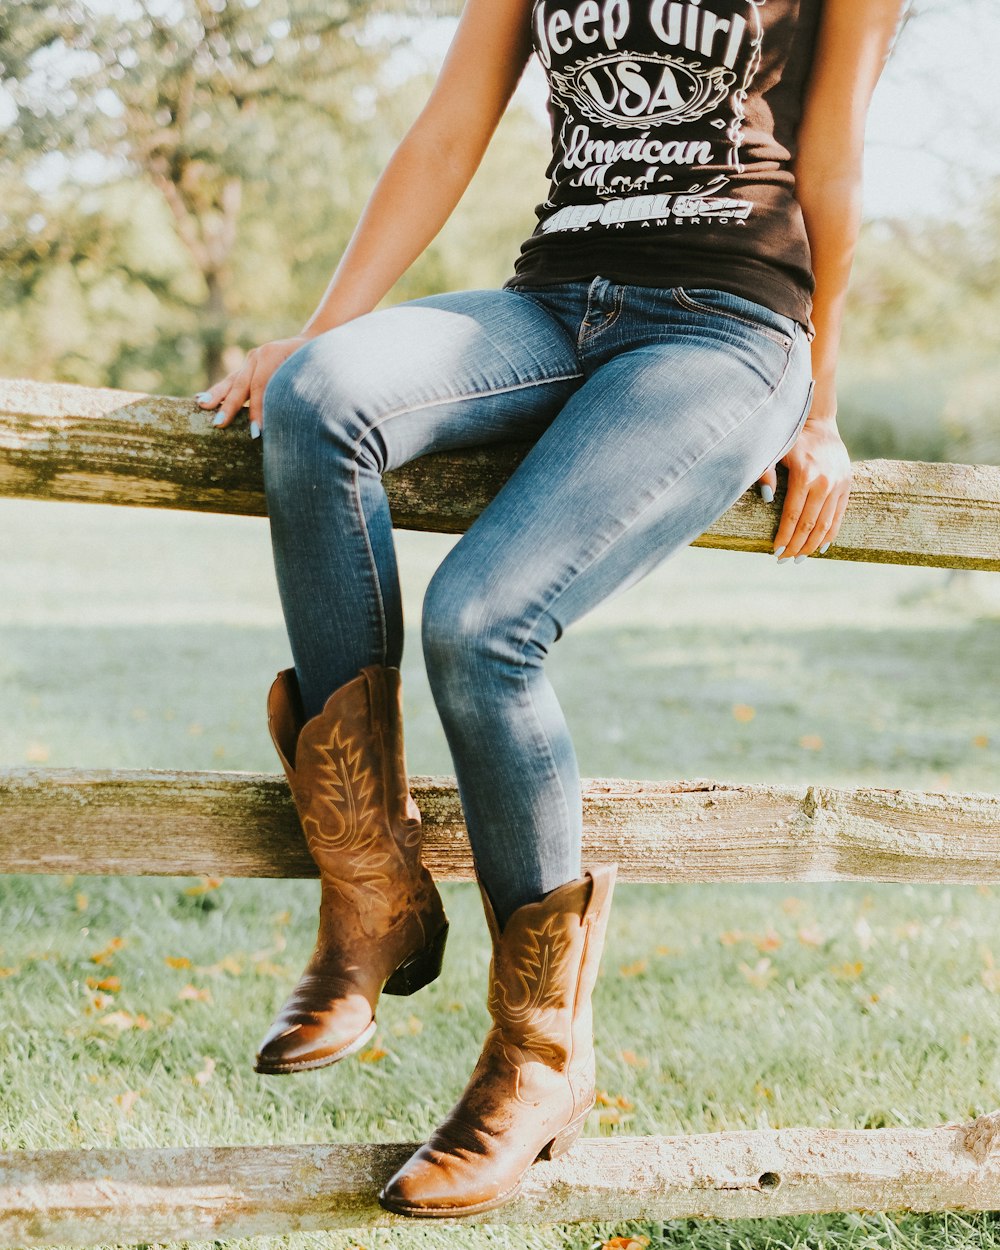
(823, 522)
(768, 483)
(834, 529)
(256, 406)
(796, 494)
(235, 398)
(813, 506)
(209, 398)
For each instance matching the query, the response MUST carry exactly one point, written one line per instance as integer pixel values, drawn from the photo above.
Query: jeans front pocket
(714, 302)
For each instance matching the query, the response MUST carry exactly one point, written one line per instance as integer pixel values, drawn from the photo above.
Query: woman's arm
(852, 45)
(416, 193)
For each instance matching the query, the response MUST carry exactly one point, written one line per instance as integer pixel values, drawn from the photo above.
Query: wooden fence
(60, 442)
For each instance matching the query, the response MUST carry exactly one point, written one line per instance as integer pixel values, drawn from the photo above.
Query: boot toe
(299, 1046)
(431, 1184)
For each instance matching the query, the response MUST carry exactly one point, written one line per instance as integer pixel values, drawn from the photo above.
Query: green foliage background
(180, 177)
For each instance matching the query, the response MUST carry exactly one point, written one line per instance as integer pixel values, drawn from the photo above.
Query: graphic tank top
(673, 135)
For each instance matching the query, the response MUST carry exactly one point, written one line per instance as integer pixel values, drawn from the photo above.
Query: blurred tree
(202, 101)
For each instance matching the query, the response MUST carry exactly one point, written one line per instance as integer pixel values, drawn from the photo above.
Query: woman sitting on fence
(669, 334)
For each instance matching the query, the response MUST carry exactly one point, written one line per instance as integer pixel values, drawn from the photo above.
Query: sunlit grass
(132, 1007)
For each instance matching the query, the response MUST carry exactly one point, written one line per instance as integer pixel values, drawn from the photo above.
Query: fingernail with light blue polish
(800, 558)
(203, 397)
(767, 493)
(824, 549)
(787, 560)
(219, 419)
(778, 551)
(255, 429)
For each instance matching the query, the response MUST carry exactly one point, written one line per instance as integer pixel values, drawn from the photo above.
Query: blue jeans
(650, 411)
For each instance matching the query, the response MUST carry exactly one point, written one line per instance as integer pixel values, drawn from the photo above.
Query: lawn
(132, 1007)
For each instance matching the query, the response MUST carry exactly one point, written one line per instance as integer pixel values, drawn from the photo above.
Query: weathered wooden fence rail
(102, 446)
(244, 825)
(61, 442)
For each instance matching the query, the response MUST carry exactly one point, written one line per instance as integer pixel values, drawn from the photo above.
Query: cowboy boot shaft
(382, 923)
(533, 1084)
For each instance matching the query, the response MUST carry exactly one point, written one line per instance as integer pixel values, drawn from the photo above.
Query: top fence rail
(82, 444)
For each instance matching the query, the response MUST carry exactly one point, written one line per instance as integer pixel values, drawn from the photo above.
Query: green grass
(148, 639)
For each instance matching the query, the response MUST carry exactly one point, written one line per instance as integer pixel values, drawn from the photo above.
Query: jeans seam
(379, 601)
(554, 598)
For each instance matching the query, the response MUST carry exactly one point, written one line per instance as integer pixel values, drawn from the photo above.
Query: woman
(670, 334)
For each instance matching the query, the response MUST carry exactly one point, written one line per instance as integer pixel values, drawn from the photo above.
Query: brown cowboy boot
(381, 924)
(534, 1083)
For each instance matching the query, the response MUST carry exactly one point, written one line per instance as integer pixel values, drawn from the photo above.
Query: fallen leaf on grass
(228, 963)
(634, 1060)
(811, 935)
(604, 1099)
(760, 975)
(373, 1054)
(743, 712)
(638, 1242)
(122, 1020)
(811, 742)
(412, 1026)
(177, 961)
(731, 937)
(268, 968)
(981, 740)
(8, 972)
(205, 1075)
(204, 886)
(770, 941)
(634, 969)
(104, 955)
(849, 971)
(191, 993)
(111, 984)
(81, 902)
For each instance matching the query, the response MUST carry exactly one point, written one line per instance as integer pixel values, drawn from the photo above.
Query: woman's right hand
(247, 383)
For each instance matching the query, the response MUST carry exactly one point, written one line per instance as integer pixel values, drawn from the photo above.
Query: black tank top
(673, 136)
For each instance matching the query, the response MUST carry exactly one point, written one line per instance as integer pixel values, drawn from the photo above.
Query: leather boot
(381, 924)
(533, 1086)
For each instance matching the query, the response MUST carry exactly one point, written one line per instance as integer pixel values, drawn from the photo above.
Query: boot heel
(420, 969)
(564, 1138)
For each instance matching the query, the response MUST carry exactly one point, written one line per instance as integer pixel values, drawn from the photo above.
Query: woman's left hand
(819, 484)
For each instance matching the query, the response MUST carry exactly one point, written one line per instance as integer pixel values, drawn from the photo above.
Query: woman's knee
(473, 625)
(312, 420)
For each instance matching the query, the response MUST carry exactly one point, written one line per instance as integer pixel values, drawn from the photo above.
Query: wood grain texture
(81, 1198)
(64, 442)
(244, 825)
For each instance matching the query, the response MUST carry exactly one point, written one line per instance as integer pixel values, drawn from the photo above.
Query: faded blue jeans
(650, 411)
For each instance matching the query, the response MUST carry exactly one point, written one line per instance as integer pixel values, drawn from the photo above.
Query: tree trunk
(214, 328)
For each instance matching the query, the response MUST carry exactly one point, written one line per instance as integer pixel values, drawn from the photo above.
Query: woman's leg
(683, 408)
(471, 367)
(680, 413)
(453, 370)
